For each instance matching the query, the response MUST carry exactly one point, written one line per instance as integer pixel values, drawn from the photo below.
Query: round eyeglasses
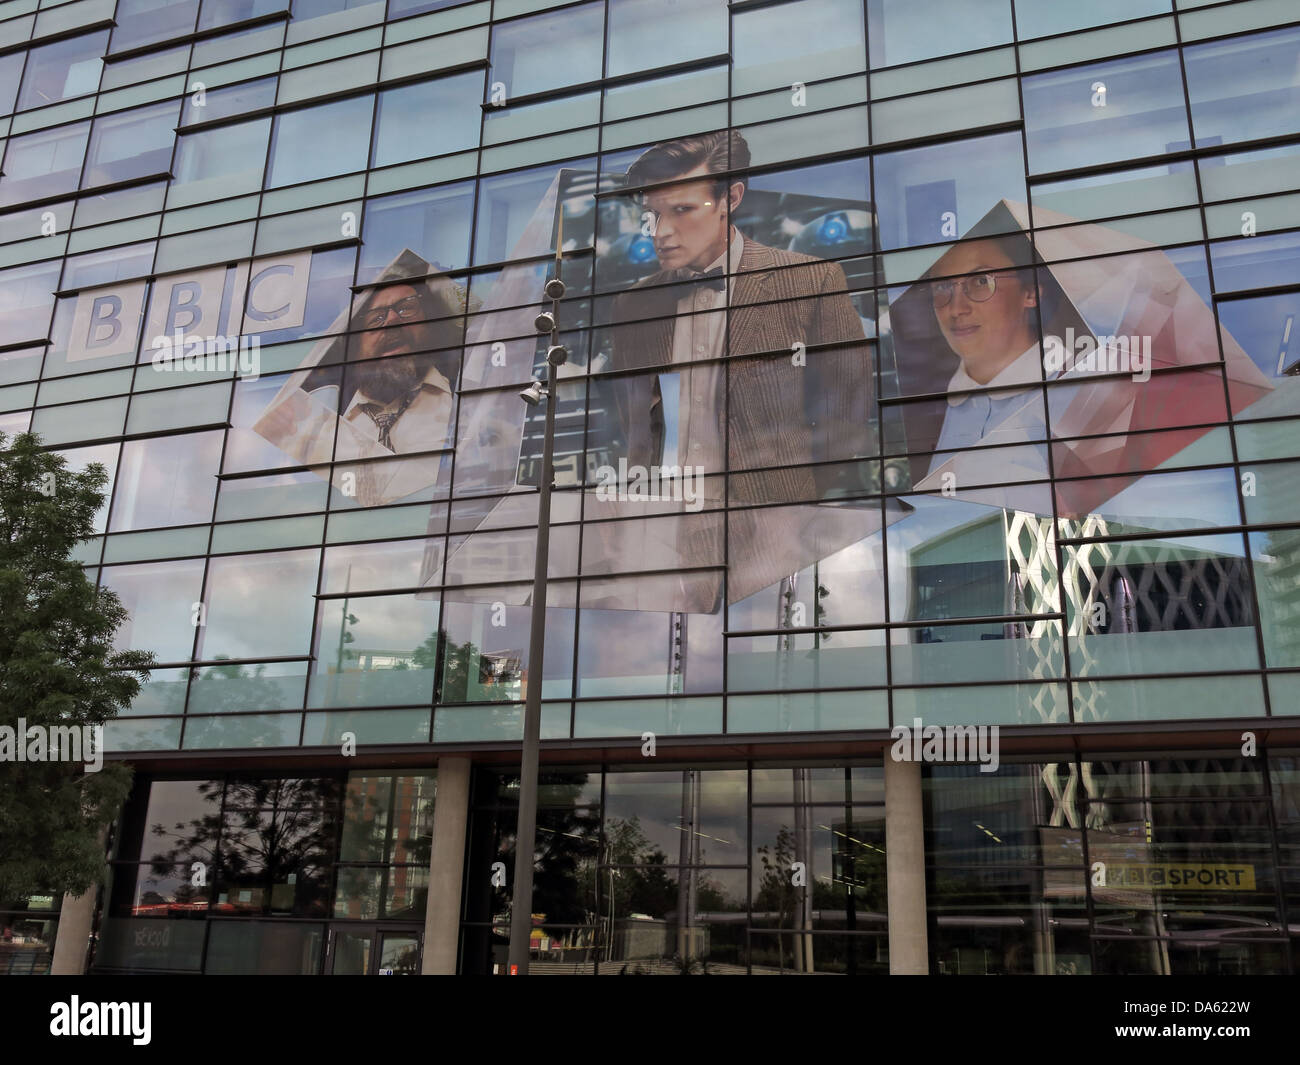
(404, 309)
(977, 288)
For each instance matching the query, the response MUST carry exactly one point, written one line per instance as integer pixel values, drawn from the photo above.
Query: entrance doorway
(373, 950)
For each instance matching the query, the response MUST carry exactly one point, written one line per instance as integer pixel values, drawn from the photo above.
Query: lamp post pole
(521, 908)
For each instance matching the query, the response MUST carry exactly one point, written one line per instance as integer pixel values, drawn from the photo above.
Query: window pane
(26, 299)
(644, 652)
(259, 605)
(434, 223)
(11, 70)
(959, 654)
(365, 818)
(1104, 112)
(1261, 262)
(375, 651)
(430, 118)
(264, 948)
(644, 814)
(269, 497)
(1038, 18)
(1249, 173)
(926, 194)
(219, 162)
(524, 52)
(169, 480)
(151, 943)
(45, 163)
(62, 70)
(224, 12)
(374, 567)
(516, 212)
(106, 455)
(952, 558)
(234, 688)
(400, 8)
(903, 31)
(240, 43)
(1245, 88)
(1104, 195)
(356, 15)
(488, 663)
(141, 22)
(319, 142)
(328, 296)
(644, 34)
(829, 40)
(1274, 555)
(247, 449)
(160, 599)
(1169, 698)
(130, 145)
(223, 103)
(1264, 329)
(1166, 606)
(1158, 501)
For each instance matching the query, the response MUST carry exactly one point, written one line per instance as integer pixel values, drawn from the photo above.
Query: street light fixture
(521, 906)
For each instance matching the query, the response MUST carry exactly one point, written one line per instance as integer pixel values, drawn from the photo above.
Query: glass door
(366, 950)
(351, 950)
(399, 953)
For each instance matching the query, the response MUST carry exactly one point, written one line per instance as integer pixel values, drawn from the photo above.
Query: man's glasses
(978, 288)
(404, 309)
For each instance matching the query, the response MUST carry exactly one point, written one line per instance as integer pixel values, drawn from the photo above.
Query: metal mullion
(444, 638)
(1058, 555)
(599, 85)
(1278, 866)
(1237, 295)
(1256, 621)
(1165, 158)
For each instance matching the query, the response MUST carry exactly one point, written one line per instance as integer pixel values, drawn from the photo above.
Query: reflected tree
(270, 839)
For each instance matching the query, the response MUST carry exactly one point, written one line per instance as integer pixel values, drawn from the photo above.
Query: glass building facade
(927, 362)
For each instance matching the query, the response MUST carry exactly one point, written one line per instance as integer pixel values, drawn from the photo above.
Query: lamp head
(533, 394)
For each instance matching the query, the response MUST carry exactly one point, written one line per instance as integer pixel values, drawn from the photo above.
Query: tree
(57, 668)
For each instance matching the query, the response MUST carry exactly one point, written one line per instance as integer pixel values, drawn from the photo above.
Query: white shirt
(975, 418)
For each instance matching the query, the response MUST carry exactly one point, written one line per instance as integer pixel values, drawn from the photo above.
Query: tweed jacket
(780, 411)
(784, 410)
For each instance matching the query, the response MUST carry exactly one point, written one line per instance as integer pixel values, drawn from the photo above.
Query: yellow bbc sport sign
(1181, 876)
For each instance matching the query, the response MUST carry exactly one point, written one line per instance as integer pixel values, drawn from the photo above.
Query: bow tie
(715, 279)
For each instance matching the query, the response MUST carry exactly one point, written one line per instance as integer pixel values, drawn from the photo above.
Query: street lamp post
(521, 908)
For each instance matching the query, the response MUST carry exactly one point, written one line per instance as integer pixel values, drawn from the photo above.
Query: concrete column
(905, 869)
(72, 938)
(446, 866)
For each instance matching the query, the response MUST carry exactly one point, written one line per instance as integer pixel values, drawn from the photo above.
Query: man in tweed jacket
(758, 358)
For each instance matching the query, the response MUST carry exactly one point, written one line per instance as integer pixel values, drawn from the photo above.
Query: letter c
(277, 312)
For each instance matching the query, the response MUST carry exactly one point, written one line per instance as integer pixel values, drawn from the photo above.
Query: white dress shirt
(979, 417)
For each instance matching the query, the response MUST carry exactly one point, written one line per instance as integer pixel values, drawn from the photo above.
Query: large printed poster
(740, 391)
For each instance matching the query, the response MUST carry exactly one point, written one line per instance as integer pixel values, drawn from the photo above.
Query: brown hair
(718, 153)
